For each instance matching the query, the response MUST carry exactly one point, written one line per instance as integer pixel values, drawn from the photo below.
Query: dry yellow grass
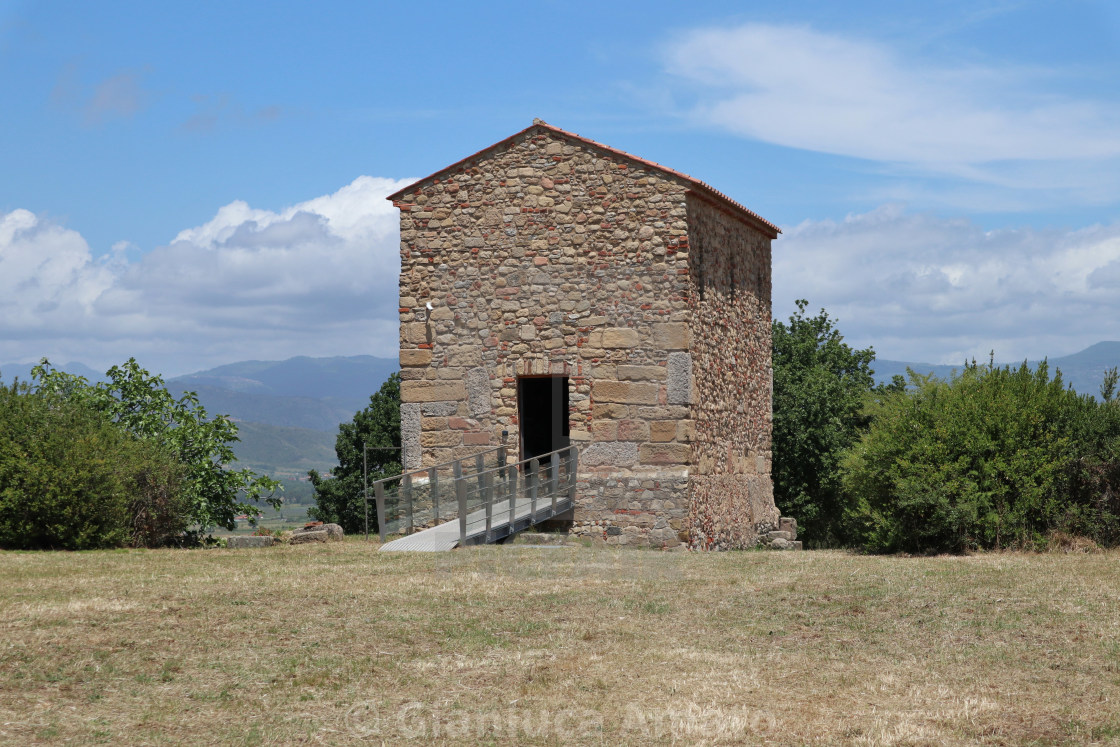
(335, 644)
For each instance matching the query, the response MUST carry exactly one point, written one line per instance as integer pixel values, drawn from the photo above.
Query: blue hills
(1084, 370)
(289, 411)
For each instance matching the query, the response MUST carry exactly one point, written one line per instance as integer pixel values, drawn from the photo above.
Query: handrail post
(488, 500)
(406, 493)
(573, 473)
(461, 494)
(379, 495)
(554, 478)
(511, 493)
(533, 478)
(433, 486)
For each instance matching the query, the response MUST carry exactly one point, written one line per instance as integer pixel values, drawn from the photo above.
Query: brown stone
(664, 453)
(432, 391)
(604, 430)
(662, 430)
(618, 337)
(633, 430)
(415, 357)
(671, 336)
(415, 332)
(625, 391)
(610, 410)
(641, 373)
(476, 439)
(441, 438)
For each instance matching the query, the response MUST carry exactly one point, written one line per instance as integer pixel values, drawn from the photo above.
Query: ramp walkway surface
(445, 536)
(480, 507)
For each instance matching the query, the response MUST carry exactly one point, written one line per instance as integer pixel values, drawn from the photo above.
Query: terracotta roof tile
(701, 187)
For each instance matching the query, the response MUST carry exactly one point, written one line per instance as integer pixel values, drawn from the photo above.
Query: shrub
(70, 479)
(820, 389)
(138, 403)
(992, 458)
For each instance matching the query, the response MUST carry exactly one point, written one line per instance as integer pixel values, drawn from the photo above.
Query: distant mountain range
(288, 412)
(1084, 370)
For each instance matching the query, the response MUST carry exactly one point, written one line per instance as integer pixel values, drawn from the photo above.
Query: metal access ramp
(473, 503)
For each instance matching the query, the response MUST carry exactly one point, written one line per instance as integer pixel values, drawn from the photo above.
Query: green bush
(138, 403)
(70, 479)
(992, 458)
(821, 386)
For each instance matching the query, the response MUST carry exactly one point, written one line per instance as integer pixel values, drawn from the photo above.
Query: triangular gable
(702, 189)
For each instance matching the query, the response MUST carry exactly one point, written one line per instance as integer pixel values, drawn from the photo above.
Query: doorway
(542, 409)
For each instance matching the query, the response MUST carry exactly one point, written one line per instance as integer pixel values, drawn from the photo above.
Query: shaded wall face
(731, 493)
(547, 258)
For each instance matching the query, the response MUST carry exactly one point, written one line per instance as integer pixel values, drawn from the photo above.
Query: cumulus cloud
(924, 288)
(797, 87)
(318, 278)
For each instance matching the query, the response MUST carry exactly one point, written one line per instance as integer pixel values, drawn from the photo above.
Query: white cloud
(923, 288)
(1010, 128)
(319, 278)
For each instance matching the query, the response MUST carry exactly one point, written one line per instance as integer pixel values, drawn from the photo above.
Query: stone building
(581, 294)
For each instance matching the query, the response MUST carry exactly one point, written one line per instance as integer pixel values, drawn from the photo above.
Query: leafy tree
(820, 388)
(71, 479)
(340, 498)
(994, 457)
(138, 402)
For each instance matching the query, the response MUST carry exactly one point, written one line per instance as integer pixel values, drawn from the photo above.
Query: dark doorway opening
(542, 408)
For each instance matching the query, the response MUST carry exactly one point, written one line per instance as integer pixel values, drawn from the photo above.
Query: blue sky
(203, 183)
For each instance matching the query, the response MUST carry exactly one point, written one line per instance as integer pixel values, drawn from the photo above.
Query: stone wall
(547, 255)
(732, 500)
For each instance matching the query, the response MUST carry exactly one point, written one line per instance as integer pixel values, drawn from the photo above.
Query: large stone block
(610, 410)
(679, 371)
(464, 356)
(604, 430)
(618, 337)
(438, 409)
(665, 453)
(661, 431)
(415, 332)
(633, 430)
(478, 391)
(671, 336)
(609, 453)
(441, 439)
(414, 358)
(641, 373)
(411, 453)
(432, 391)
(625, 392)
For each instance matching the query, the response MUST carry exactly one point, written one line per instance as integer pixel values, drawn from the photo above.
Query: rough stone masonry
(550, 254)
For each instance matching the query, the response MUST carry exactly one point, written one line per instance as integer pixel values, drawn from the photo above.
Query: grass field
(333, 644)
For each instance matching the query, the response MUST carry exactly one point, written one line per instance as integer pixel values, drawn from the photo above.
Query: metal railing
(424, 497)
(490, 501)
